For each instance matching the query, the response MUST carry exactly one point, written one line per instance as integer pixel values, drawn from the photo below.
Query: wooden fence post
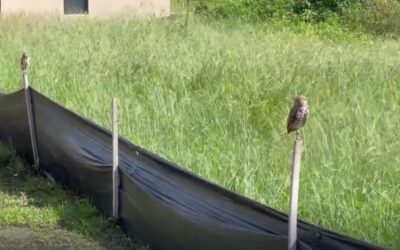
(115, 173)
(294, 194)
(31, 122)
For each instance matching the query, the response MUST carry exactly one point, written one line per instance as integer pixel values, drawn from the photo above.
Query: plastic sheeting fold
(160, 203)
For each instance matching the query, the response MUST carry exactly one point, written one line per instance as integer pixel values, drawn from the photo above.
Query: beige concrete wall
(106, 8)
(97, 8)
(32, 6)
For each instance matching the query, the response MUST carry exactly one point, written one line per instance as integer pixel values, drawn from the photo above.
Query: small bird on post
(25, 62)
(298, 115)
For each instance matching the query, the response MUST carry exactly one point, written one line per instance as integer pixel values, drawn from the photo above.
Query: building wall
(102, 8)
(97, 8)
(32, 6)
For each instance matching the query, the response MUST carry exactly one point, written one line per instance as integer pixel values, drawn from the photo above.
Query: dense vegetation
(380, 17)
(214, 97)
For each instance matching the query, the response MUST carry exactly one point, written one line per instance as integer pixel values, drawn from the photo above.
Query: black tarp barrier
(160, 203)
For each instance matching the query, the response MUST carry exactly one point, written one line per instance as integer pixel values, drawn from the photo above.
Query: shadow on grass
(40, 214)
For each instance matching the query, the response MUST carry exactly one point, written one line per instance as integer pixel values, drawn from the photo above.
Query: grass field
(215, 100)
(38, 214)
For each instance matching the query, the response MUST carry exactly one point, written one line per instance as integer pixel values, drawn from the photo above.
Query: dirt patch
(12, 237)
(15, 233)
(16, 237)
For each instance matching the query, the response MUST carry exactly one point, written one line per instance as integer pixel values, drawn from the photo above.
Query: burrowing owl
(25, 62)
(298, 114)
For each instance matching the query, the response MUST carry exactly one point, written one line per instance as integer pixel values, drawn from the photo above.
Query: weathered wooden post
(28, 101)
(115, 173)
(294, 193)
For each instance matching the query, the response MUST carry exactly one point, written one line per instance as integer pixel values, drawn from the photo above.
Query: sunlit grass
(216, 99)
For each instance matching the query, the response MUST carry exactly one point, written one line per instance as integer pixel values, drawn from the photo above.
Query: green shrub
(246, 10)
(6, 155)
(9, 159)
(261, 10)
(380, 17)
(320, 10)
(19, 166)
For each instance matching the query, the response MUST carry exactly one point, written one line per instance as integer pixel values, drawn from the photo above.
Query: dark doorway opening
(75, 7)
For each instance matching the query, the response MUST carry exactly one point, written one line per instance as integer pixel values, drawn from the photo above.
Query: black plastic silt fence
(159, 202)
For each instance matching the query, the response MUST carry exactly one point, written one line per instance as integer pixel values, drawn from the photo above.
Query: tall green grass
(215, 100)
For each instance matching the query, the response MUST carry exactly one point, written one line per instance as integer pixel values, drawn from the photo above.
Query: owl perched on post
(298, 115)
(25, 61)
